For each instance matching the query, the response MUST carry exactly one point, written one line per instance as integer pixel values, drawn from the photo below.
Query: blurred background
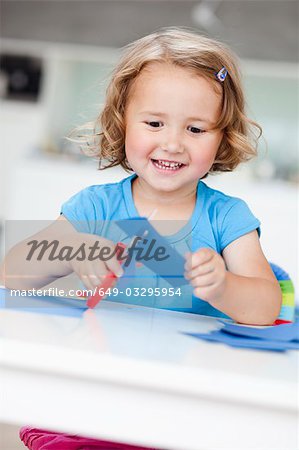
(56, 59)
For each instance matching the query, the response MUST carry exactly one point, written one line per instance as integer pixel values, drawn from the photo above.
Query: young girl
(174, 113)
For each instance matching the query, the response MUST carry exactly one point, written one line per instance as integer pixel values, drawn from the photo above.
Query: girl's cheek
(203, 162)
(139, 142)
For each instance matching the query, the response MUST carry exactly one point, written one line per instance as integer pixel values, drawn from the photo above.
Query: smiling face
(169, 118)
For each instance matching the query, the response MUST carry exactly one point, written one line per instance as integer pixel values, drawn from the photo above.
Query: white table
(126, 373)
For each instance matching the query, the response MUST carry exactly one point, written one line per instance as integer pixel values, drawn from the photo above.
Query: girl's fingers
(203, 269)
(204, 280)
(86, 281)
(94, 280)
(201, 257)
(93, 273)
(114, 266)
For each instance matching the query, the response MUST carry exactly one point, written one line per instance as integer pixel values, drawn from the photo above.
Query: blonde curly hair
(191, 51)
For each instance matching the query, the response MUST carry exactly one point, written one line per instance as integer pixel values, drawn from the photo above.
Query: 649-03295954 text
(111, 292)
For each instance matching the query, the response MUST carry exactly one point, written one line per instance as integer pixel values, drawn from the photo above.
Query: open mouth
(171, 166)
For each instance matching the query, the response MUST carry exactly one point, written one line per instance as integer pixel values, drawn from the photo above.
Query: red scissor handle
(108, 281)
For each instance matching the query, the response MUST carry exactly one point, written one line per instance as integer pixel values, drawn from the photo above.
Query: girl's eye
(196, 130)
(154, 124)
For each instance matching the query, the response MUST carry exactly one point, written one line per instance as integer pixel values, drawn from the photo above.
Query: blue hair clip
(221, 75)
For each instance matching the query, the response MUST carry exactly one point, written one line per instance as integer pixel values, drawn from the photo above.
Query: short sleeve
(237, 221)
(84, 211)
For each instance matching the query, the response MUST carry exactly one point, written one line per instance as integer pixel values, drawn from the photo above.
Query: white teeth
(166, 165)
(163, 163)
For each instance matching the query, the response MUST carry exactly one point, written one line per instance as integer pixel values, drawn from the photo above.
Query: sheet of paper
(285, 332)
(172, 268)
(246, 342)
(61, 306)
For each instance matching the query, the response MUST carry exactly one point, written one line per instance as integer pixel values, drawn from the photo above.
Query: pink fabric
(37, 439)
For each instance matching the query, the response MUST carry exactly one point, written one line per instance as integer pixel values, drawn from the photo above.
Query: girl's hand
(206, 272)
(92, 269)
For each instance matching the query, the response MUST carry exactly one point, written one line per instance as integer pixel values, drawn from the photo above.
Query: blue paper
(276, 338)
(60, 306)
(246, 342)
(284, 332)
(172, 268)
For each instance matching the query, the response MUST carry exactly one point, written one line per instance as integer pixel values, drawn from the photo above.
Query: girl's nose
(173, 143)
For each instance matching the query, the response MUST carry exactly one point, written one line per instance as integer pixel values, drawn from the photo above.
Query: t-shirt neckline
(187, 229)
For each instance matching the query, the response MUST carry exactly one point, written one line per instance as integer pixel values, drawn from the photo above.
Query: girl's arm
(20, 270)
(241, 284)
(19, 273)
(252, 293)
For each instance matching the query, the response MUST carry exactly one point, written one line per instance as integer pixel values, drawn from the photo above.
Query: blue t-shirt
(217, 220)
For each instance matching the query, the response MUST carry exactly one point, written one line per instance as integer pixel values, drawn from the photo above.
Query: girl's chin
(166, 184)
